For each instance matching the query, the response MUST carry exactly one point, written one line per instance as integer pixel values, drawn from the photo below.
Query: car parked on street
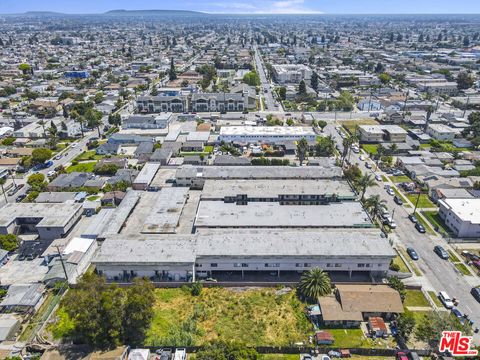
(378, 177)
(413, 218)
(412, 253)
(440, 251)
(398, 200)
(420, 228)
(445, 299)
(476, 293)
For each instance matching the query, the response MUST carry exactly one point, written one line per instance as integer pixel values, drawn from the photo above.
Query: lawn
(251, 316)
(398, 261)
(416, 298)
(370, 148)
(463, 269)
(208, 148)
(410, 262)
(82, 167)
(400, 179)
(453, 257)
(435, 298)
(88, 155)
(437, 222)
(193, 153)
(384, 178)
(93, 198)
(354, 338)
(423, 202)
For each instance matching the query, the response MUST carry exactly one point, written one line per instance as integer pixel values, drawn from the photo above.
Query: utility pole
(466, 106)
(63, 264)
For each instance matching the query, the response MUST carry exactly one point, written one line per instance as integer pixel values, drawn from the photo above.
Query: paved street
(268, 96)
(438, 274)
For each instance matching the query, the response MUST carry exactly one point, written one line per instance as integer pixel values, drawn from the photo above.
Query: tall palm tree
(302, 150)
(375, 205)
(365, 182)
(2, 182)
(315, 283)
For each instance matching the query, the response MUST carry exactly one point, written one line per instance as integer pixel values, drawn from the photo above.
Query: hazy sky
(249, 6)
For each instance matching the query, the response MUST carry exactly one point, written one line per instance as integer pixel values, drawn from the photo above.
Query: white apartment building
(265, 134)
(292, 74)
(462, 216)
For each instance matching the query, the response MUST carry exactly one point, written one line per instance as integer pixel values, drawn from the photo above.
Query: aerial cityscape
(239, 181)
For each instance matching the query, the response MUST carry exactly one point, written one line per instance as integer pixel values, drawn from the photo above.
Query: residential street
(265, 85)
(439, 275)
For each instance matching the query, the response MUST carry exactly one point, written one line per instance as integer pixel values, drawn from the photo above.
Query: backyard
(415, 298)
(88, 155)
(351, 125)
(252, 316)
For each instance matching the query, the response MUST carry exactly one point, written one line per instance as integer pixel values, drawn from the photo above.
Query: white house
(462, 216)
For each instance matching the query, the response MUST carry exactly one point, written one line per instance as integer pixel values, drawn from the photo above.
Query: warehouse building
(195, 178)
(265, 134)
(145, 177)
(189, 257)
(50, 221)
(293, 192)
(217, 215)
(382, 133)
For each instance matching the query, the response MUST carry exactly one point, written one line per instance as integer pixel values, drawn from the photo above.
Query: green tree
(406, 324)
(325, 146)
(302, 150)
(302, 88)
(465, 80)
(37, 182)
(172, 74)
(251, 78)
(375, 205)
(397, 284)
(430, 328)
(282, 92)
(364, 182)
(321, 124)
(106, 169)
(385, 78)
(314, 81)
(353, 173)
(40, 155)
(9, 242)
(94, 119)
(25, 68)
(314, 283)
(53, 135)
(2, 182)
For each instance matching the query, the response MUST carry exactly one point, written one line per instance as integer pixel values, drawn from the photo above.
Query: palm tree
(375, 205)
(315, 283)
(365, 182)
(302, 150)
(2, 182)
(347, 142)
(42, 123)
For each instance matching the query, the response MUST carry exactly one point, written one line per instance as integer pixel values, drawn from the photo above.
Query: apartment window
(275, 265)
(329, 265)
(361, 265)
(338, 265)
(307, 265)
(213, 265)
(237, 265)
(367, 265)
(244, 265)
(298, 265)
(198, 265)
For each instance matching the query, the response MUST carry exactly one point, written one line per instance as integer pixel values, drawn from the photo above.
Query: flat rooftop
(266, 131)
(380, 129)
(269, 172)
(215, 189)
(51, 215)
(273, 215)
(168, 205)
(465, 209)
(161, 249)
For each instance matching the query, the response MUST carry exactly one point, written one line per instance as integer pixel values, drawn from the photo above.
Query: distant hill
(154, 13)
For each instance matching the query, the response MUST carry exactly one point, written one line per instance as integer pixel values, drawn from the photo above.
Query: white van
(180, 354)
(445, 299)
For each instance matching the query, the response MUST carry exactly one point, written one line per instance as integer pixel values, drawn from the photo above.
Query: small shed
(377, 326)
(324, 338)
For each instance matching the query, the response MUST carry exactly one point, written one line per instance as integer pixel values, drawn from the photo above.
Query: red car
(402, 356)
